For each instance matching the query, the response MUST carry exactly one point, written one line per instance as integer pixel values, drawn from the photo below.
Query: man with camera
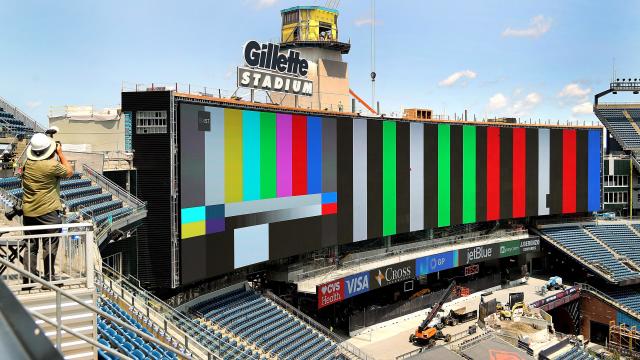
(41, 204)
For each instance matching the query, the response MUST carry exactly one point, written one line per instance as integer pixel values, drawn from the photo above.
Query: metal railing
(342, 343)
(609, 299)
(112, 187)
(58, 321)
(20, 115)
(173, 321)
(67, 254)
(138, 207)
(402, 250)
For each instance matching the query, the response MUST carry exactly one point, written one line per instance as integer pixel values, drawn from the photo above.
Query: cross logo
(379, 277)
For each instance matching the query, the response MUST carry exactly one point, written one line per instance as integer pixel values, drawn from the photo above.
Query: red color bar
(519, 172)
(299, 155)
(493, 173)
(568, 171)
(331, 208)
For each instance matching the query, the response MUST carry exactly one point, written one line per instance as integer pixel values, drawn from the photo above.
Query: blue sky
(531, 59)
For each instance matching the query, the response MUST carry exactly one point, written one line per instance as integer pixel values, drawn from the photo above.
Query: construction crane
(427, 333)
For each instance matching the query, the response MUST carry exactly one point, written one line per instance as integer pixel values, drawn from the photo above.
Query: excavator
(429, 331)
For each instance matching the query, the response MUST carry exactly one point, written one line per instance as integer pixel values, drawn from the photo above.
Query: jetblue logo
(356, 284)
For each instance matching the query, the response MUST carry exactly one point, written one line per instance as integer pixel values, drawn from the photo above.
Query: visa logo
(357, 284)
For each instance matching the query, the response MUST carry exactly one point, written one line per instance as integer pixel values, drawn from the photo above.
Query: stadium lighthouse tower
(313, 31)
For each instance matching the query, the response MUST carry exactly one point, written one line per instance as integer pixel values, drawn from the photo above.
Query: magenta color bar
(283, 154)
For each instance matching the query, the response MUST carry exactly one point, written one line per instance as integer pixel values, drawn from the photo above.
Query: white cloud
(585, 108)
(500, 105)
(32, 104)
(496, 102)
(453, 78)
(574, 90)
(537, 27)
(366, 21)
(524, 106)
(265, 3)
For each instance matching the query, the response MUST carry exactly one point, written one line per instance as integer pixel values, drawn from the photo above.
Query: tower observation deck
(311, 26)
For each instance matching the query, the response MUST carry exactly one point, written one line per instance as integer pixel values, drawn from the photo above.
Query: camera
(16, 209)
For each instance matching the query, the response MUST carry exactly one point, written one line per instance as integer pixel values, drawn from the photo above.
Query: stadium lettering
(397, 274)
(357, 284)
(268, 56)
(478, 253)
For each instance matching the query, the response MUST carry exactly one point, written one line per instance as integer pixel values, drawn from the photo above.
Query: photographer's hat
(40, 147)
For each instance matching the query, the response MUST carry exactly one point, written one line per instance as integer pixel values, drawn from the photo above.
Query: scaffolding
(623, 339)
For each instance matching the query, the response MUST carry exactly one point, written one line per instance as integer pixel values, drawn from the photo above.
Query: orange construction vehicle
(429, 330)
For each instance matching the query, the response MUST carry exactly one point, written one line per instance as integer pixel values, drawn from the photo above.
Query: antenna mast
(373, 53)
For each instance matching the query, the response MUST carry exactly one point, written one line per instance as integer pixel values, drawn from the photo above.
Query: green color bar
(468, 174)
(444, 175)
(388, 178)
(267, 155)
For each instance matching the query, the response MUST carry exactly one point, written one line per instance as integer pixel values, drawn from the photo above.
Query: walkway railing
(138, 207)
(609, 299)
(112, 187)
(18, 114)
(342, 343)
(60, 293)
(404, 249)
(173, 321)
(72, 244)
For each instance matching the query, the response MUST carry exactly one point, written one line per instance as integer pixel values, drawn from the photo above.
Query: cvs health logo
(356, 284)
(330, 293)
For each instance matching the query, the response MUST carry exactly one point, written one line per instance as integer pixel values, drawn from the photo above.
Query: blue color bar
(314, 155)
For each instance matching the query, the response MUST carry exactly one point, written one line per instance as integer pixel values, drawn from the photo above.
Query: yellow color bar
(193, 229)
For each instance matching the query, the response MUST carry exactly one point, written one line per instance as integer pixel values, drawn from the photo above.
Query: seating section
(578, 242)
(628, 296)
(13, 125)
(616, 122)
(126, 341)
(577, 353)
(81, 198)
(259, 321)
(620, 238)
(217, 342)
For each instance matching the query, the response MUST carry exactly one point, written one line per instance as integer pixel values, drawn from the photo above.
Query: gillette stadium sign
(270, 70)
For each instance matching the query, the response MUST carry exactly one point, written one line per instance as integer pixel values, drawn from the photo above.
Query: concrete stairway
(73, 315)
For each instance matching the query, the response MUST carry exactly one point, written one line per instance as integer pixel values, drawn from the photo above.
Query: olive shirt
(41, 184)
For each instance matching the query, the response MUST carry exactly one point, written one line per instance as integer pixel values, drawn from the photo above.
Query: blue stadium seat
(577, 241)
(261, 322)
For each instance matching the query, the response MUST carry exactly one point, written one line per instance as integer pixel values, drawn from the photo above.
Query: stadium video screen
(258, 185)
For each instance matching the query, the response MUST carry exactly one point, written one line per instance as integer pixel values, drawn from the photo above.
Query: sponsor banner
(529, 245)
(392, 274)
(478, 254)
(436, 262)
(356, 284)
(510, 248)
(330, 293)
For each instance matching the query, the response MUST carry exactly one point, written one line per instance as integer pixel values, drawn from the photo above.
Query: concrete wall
(102, 135)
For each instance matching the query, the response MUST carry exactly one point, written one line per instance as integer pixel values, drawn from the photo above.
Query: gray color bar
(416, 176)
(256, 206)
(329, 158)
(359, 179)
(544, 163)
(214, 158)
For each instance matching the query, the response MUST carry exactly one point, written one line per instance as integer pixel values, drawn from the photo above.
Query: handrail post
(88, 249)
(59, 321)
